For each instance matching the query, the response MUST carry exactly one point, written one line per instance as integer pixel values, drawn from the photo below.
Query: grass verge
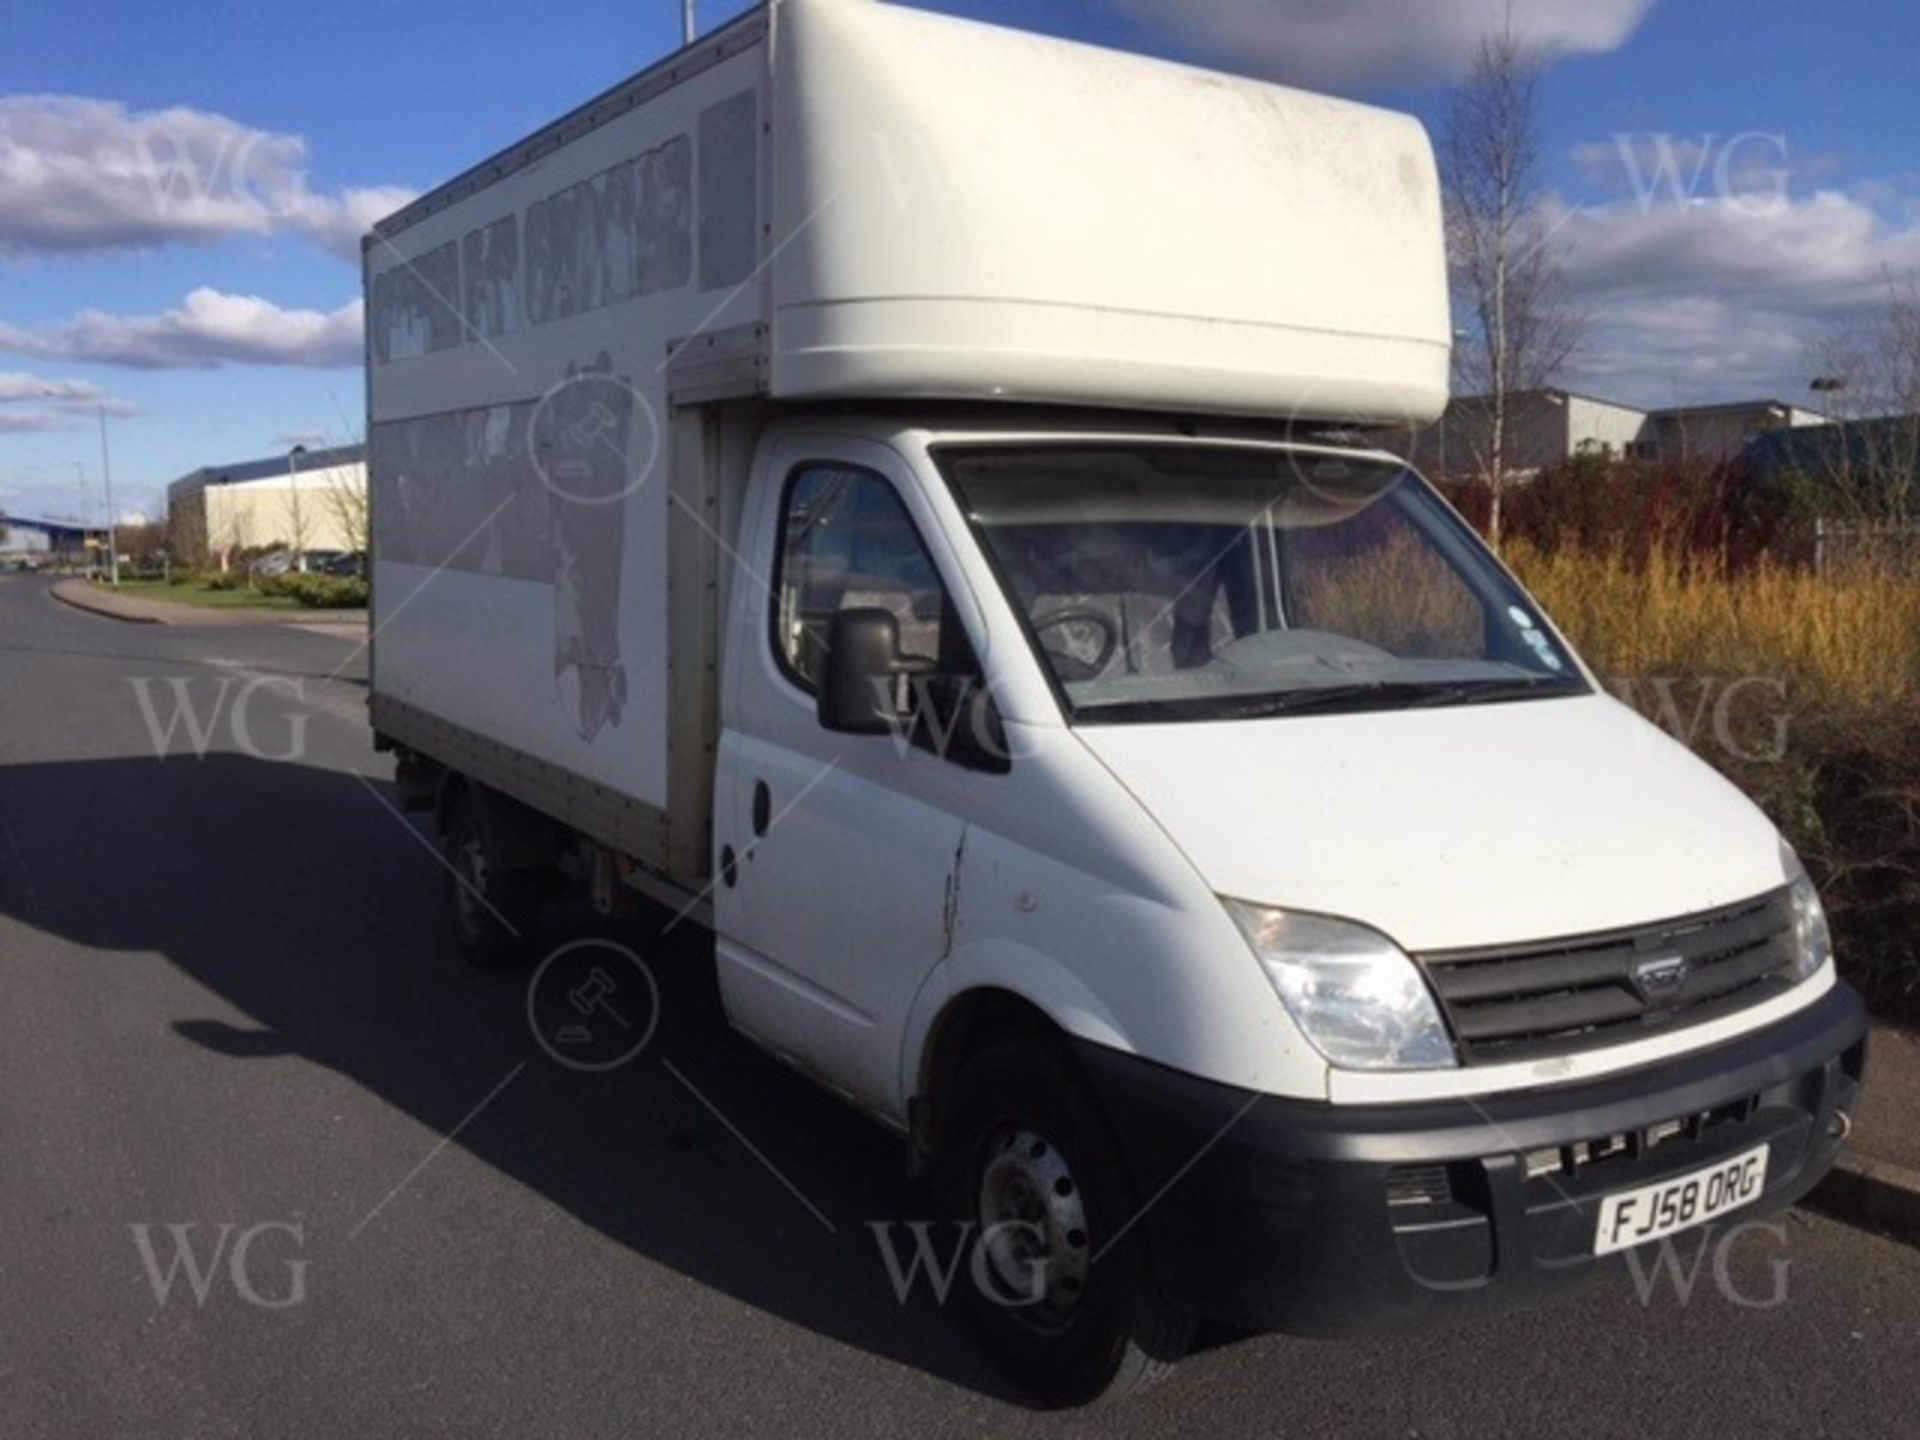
(199, 597)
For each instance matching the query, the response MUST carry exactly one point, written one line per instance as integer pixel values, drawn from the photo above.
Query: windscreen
(1169, 582)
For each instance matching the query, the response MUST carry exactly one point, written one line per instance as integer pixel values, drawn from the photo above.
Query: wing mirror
(861, 690)
(867, 687)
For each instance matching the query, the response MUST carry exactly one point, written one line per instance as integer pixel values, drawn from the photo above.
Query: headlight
(1812, 940)
(1357, 997)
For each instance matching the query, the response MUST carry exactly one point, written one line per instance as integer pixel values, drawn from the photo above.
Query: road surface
(231, 1023)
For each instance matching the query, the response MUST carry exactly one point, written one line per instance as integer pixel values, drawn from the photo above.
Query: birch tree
(1507, 274)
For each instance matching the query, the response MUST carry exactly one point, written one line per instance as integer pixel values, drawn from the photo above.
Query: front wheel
(1059, 1281)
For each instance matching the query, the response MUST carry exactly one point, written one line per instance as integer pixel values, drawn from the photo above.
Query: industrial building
(302, 500)
(1550, 427)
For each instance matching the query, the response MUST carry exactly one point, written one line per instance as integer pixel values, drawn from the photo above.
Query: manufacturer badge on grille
(1661, 977)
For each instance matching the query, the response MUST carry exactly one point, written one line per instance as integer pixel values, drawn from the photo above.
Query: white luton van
(889, 485)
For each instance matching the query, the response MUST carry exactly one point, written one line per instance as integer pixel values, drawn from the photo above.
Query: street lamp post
(293, 501)
(86, 507)
(113, 532)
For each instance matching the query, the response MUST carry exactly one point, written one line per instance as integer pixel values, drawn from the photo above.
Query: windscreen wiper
(1484, 692)
(1320, 697)
(1400, 694)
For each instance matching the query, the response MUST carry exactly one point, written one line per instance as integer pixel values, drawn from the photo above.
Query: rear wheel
(493, 912)
(1059, 1281)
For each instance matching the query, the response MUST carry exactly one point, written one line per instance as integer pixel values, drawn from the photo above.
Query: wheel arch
(516, 836)
(977, 998)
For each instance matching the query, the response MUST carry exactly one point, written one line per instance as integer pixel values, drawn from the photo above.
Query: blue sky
(1796, 128)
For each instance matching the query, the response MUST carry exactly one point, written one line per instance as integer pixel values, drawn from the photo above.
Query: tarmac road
(227, 1000)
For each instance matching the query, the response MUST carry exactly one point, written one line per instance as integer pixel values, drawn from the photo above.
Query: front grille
(1558, 997)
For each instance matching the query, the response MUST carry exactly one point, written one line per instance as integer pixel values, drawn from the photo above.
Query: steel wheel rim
(1033, 1228)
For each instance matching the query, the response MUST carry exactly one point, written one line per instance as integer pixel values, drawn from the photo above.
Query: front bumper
(1280, 1214)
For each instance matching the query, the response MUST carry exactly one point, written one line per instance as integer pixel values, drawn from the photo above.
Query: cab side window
(846, 542)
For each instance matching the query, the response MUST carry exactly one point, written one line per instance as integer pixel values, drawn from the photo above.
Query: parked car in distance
(280, 562)
(317, 562)
(351, 563)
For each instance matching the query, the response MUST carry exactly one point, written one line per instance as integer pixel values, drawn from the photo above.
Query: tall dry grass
(1849, 641)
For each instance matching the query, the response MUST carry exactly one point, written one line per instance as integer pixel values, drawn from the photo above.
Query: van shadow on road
(293, 894)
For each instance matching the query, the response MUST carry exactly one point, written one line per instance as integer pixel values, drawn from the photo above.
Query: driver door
(836, 903)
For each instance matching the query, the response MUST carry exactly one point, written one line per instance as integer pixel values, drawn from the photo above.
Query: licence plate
(1633, 1217)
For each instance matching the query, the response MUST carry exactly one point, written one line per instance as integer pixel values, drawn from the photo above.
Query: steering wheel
(1071, 666)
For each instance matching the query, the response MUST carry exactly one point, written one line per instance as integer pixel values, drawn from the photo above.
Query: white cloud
(16, 386)
(208, 330)
(1727, 295)
(80, 176)
(31, 404)
(1347, 44)
(339, 222)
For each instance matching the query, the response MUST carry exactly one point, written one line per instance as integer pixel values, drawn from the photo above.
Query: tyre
(1059, 1281)
(493, 913)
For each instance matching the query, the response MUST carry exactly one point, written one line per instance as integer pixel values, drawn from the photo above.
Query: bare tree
(346, 501)
(238, 535)
(143, 542)
(298, 526)
(186, 529)
(1508, 276)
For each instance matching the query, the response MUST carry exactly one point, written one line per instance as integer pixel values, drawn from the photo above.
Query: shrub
(224, 580)
(324, 592)
(1724, 509)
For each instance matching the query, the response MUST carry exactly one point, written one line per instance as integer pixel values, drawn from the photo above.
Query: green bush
(223, 580)
(324, 592)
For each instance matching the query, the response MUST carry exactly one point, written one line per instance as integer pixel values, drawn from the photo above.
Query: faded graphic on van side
(535, 490)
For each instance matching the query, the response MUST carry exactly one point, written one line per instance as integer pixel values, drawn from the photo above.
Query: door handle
(762, 809)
